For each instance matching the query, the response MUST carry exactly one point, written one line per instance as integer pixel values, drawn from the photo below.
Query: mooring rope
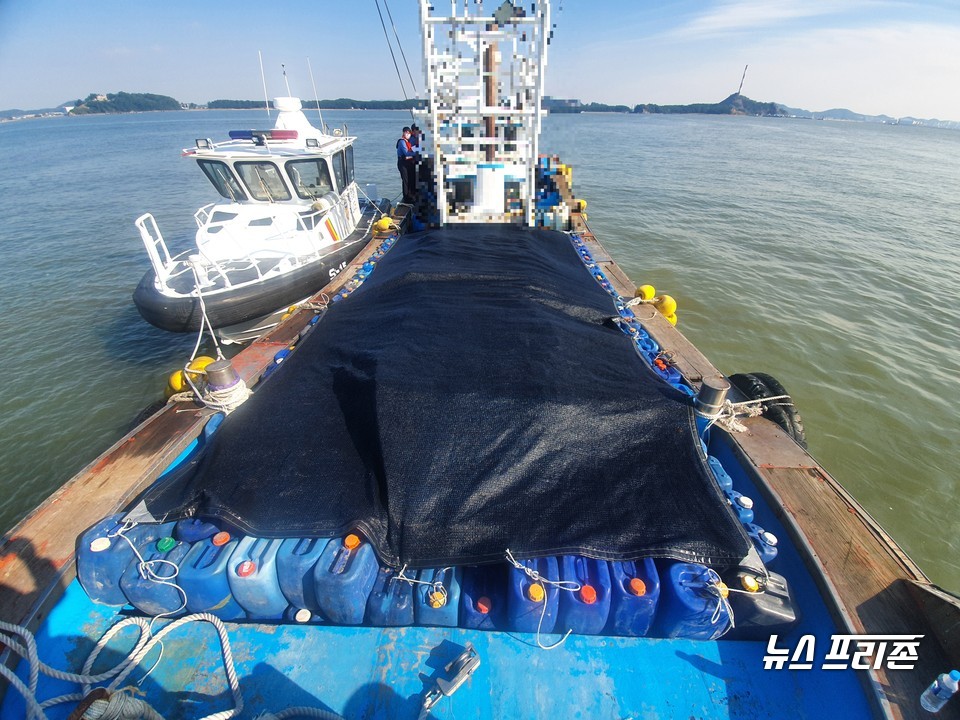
(730, 411)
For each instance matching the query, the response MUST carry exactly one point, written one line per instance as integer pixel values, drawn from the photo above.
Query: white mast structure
(484, 90)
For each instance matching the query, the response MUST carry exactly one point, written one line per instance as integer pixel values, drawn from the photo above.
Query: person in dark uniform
(406, 164)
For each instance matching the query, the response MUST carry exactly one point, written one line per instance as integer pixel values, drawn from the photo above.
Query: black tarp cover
(472, 395)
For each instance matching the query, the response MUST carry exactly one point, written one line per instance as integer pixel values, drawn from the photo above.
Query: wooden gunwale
(871, 584)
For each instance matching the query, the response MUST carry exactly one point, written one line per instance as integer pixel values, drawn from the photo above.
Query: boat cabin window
(263, 180)
(339, 169)
(223, 179)
(348, 153)
(310, 178)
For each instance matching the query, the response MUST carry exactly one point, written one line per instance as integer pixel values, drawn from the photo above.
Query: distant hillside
(559, 106)
(123, 102)
(18, 113)
(736, 104)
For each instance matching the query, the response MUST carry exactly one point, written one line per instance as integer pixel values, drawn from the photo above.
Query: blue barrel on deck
(193, 530)
(343, 578)
(742, 506)
(213, 424)
(719, 473)
(688, 607)
(634, 593)
(254, 581)
(584, 611)
(390, 603)
(296, 559)
(203, 576)
(438, 604)
(103, 556)
(483, 597)
(525, 603)
(148, 595)
(765, 542)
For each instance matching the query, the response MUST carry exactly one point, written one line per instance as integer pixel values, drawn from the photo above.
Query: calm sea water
(823, 253)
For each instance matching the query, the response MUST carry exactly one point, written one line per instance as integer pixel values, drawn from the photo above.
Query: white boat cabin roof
(292, 162)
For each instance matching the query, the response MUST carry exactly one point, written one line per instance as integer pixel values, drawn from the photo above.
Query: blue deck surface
(383, 672)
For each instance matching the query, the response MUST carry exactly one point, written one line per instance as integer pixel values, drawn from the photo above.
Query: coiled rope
(121, 705)
(730, 411)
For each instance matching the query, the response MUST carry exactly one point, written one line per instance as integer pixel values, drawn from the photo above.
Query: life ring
(757, 386)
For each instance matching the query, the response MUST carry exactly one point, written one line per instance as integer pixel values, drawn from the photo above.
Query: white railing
(156, 248)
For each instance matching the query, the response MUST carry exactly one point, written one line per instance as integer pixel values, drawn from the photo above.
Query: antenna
(742, 78)
(263, 78)
(315, 96)
(285, 80)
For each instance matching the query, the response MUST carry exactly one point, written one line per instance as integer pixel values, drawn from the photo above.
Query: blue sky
(872, 56)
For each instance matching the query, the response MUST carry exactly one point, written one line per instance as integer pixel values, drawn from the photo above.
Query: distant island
(736, 104)
(122, 102)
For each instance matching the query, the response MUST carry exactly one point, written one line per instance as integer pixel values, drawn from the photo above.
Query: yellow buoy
(198, 365)
(176, 382)
(384, 224)
(666, 304)
(672, 318)
(646, 292)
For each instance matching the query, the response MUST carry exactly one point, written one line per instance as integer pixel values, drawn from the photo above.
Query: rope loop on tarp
(568, 585)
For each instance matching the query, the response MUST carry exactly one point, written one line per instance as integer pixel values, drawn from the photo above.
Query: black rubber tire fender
(757, 386)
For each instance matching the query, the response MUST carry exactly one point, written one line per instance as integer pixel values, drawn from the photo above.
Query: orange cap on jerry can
(588, 594)
(351, 541)
(536, 592)
(246, 568)
(220, 539)
(484, 605)
(638, 587)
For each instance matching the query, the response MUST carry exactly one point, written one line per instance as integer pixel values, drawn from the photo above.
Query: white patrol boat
(289, 220)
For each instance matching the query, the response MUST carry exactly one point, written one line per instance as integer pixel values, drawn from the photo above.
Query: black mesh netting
(472, 395)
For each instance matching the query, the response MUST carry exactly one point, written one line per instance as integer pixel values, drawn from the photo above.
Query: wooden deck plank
(36, 557)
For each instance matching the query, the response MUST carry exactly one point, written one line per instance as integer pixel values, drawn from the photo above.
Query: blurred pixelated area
(485, 67)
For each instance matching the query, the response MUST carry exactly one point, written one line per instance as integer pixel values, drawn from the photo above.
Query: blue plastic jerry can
(634, 594)
(483, 597)
(296, 559)
(526, 599)
(390, 602)
(343, 578)
(584, 611)
(103, 556)
(193, 529)
(253, 578)
(742, 506)
(722, 477)
(203, 576)
(692, 603)
(765, 542)
(153, 588)
(438, 602)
